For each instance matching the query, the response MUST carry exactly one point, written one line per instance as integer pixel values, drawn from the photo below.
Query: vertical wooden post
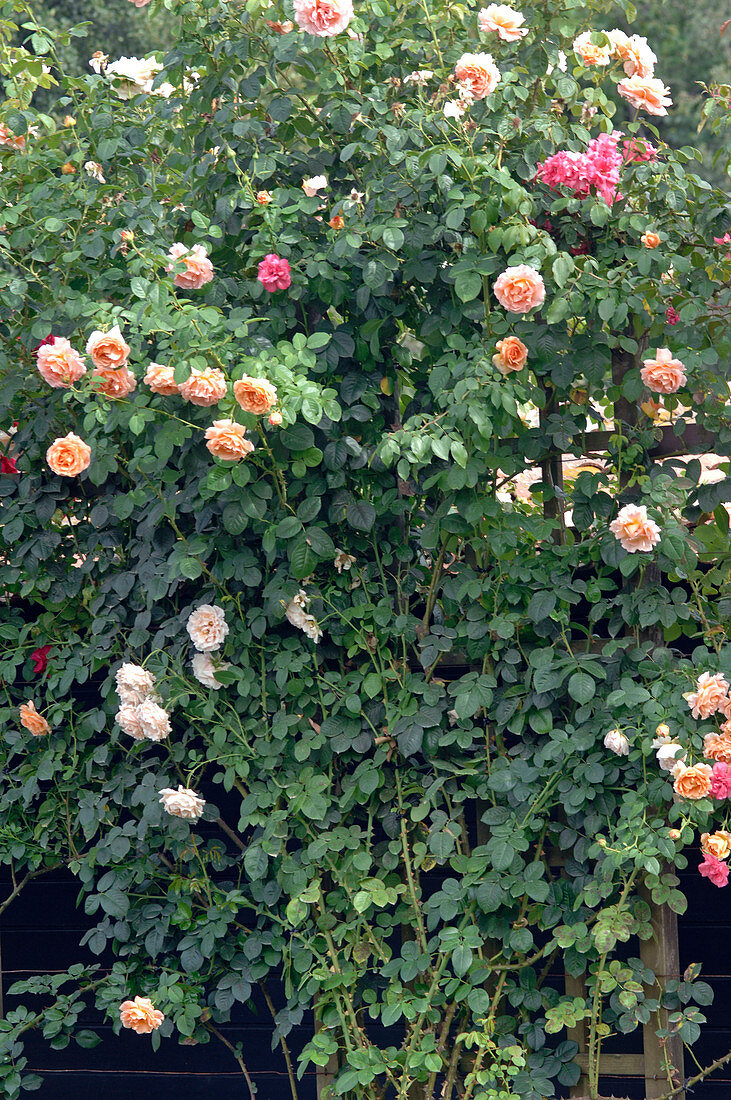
(661, 955)
(576, 987)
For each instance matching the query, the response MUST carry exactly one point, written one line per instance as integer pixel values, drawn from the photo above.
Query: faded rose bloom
(337, 222)
(323, 18)
(716, 844)
(140, 3)
(616, 742)
(420, 77)
(183, 803)
(32, 720)
(108, 349)
(298, 616)
(59, 364)
(117, 383)
(205, 669)
(636, 150)
(634, 529)
(502, 20)
(478, 74)
(255, 395)
(128, 719)
(512, 355)
(693, 783)
(717, 746)
(68, 456)
(650, 239)
(39, 657)
(454, 108)
(134, 683)
(204, 387)
(343, 561)
(140, 1015)
(663, 374)
(131, 76)
(721, 781)
(589, 53)
(207, 627)
(227, 440)
(94, 169)
(161, 379)
(520, 289)
(68, 169)
(154, 719)
(710, 696)
(198, 268)
(314, 184)
(274, 273)
(646, 94)
(280, 28)
(99, 61)
(713, 869)
(669, 754)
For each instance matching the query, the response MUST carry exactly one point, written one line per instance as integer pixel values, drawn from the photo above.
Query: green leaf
(467, 285)
(562, 267)
(581, 687)
(361, 515)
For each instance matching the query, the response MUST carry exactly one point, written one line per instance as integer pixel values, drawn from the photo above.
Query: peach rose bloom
(198, 268)
(59, 364)
(204, 387)
(32, 720)
(646, 94)
(650, 239)
(275, 419)
(502, 20)
(207, 627)
(663, 374)
(227, 440)
(520, 289)
(68, 456)
(638, 58)
(634, 529)
(113, 382)
(716, 844)
(263, 198)
(108, 349)
(255, 395)
(323, 18)
(161, 379)
(183, 803)
(710, 696)
(694, 782)
(716, 746)
(589, 52)
(512, 354)
(478, 74)
(337, 222)
(11, 140)
(140, 1015)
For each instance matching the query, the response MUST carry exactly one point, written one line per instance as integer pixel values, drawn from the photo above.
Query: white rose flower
(299, 617)
(134, 683)
(93, 169)
(154, 719)
(204, 670)
(313, 185)
(667, 756)
(132, 76)
(616, 742)
(207, 627)
(182, 803)
(128, 719)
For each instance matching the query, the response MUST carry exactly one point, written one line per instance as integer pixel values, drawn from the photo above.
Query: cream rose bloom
(128, 719)
(154, 719)
(478, 74)
(616, 742)
(663, 374)
(134, 683)
(314, 184)
(205, 669)
(207, 627)
(634, 529)
(132, 76)
(161, 379)
(68, 456)
(298, 616)
(668, 755)
(502, 20)
(182, 803)
(108, 349)
(710, 696)
(140, 1015)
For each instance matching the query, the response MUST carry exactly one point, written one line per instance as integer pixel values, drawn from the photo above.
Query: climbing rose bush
(364, 644)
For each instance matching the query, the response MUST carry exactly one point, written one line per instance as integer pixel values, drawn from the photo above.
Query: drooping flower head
(32, 720)
(715, 870)
(634, 529)
(205, 669)
(617, 742)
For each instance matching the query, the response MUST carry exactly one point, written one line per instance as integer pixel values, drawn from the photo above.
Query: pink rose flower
(274, 273)
(108, 349)
(477, 74)
(663, 374)
(59, 364)
(634, 529)
(672, 316)
(502, 20)
(198, 268)
(520, 289)
(710, 696)
(204, 387)
(715, 870)
(636, 150)
(323, 17)
(646, 94)
(721, 781)
(140, 3)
